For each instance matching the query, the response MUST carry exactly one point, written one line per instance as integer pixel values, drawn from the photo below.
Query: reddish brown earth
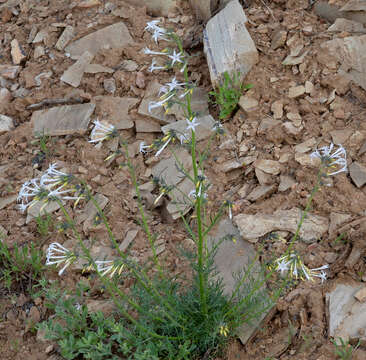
(298, 329)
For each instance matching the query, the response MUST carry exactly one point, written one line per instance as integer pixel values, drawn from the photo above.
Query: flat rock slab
(233, 258)
(180, 205)
(38, 209)
(6, 124)
(156, 7)
(358, 174)
(253, 227)
(227, 43)
(347, 315)
(113, 36)
(199, 105)
(63, 120)
(75, 72)
(167, 170)
(115, 110)
(158, 114)
(204, 8)
(350, 52)
(203, 130)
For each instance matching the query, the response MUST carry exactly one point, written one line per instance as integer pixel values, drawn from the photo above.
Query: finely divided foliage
(159, 318)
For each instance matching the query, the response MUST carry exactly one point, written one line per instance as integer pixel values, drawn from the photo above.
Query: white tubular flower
(293, 264)
(152, 25)
(147, 51)
(174, 84)
(183, 138)
(282, 266)
(101, 132)
(109, 266)
(156, 104)
(176, 57)
(336, 160)
(31, 189)
(58, 254)
(192, 124)
(158, 34)
(163, 147)
(143, 148)
(53, 177)
(154, 66)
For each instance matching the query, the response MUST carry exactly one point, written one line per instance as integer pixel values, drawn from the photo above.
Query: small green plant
(344, 349)
(42, 140)
(21, 266)
(44, 224)
(228, 94)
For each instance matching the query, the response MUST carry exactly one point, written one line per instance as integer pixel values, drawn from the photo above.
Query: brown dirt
(298, 329)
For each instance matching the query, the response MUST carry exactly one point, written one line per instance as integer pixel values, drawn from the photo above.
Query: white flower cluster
(58, 254)
(102, 132)
(336, 160)
(292, 263)
(52, 185)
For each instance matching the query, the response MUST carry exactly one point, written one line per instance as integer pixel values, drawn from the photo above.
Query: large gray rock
(347, 315)
(254, 226)
(63, 120)
(350, 52)
(227, 43)
(112, 36)
(231, 260)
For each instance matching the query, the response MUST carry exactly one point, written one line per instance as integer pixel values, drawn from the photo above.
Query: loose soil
(298, 328)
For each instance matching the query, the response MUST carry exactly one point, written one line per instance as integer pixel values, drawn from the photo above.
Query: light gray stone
(112, 36)
(286, 182)
(66, 36)
(9, 71)
(341, 136)
(75, 72)
(349, 51)
(268, 166)
(157, 113)
(358, 174)
(248, 104)
(254, 226)
(146, 125)
(204, 8)
(5, 201)
(228, 45)
(347, 316)
(296, 91)
(97, 68)
(337, 219)
(261, 192)
(203, 130)
(355, 10)
(115, 110)
(166, 169)
(156, 7)
(63, 120)
(39, 209)
(6, 124)
(130, 236)
(305, 146)
(346, 25)
(199, 105)
(233, 258)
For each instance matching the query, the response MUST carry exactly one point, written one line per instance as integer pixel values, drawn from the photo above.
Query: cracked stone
(66, 36)
(253, 227)
(261, 192)
(358, 174)
(112, 36)
(228, 45)
(268, 166)
(63, 120)
(75, 72)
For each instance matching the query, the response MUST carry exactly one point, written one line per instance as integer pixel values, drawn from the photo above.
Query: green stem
(110, 284)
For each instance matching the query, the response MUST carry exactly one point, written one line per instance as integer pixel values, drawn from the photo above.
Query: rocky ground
(66, 63)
